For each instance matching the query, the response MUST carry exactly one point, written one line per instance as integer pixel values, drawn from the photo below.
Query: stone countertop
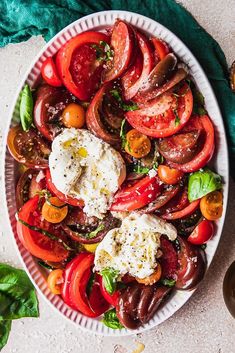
(201, 325)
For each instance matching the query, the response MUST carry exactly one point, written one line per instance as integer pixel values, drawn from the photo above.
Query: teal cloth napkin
(21, 19)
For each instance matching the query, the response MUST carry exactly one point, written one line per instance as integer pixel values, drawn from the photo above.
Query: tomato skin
(150, 120)
(161, 48)
(49, 73)
(168, 175)
(147, 65)
(182, 213)
(203, 123)
(142, 193)
(36, 243)
(203, 232)
(122, 42)
(64, 57)
(110, 298)
(67, 199)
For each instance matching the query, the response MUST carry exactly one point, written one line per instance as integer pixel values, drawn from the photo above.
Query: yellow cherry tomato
(55, 281)
(90, 247)
(73, 116)
(211, 205)
(137, 144)
(54, 210)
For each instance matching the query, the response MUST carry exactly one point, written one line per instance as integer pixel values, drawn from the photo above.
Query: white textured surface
(204, 320)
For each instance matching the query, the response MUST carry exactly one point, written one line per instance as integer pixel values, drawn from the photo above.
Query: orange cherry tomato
(54, 210)
(153, 278)
(73, 116)
(55, 281)
(169, 175)
(137, 144)
(211, 205)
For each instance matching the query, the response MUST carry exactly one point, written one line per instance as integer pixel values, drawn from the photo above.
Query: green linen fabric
(21, 19)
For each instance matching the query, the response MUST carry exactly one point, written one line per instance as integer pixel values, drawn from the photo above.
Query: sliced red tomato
(122, 43)
(147, 65)
(203, 124)
(74, 289)
(188, 210)
(36, 243)
(94, 119)
(67, 199)
(179, 202)
(49, 105)
(110, 298)
(69, 269)
(169, 259)
(180, 148)
(203, 232)
(78, 66)
(165, 115)
(138, 195)
(49, 73)
(29, 184)
(161, 48)
(191, 265)
(28, 147)
(132, 75)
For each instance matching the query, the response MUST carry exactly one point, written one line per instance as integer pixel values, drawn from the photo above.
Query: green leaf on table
(17, 294)
(5, 328)
(26, 108)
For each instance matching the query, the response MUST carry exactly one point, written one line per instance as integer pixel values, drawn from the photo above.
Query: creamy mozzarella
(133, 247)
(85, 167)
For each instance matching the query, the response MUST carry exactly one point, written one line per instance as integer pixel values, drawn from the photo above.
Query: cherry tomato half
(203, 232)
(211, 205)
(55, 281)
(54, 210)
(137, 144)
(50, 74)
(169, 175)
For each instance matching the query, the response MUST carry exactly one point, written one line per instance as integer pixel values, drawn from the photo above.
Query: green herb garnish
(168, 282)
(110, 279)
(126, 107)
(111, 320)
(140, 169)
(26, 108)
(45, 265)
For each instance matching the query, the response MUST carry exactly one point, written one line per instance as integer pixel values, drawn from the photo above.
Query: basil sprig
(26, 108)
(202, 183)
(110, 279)
(111, 320)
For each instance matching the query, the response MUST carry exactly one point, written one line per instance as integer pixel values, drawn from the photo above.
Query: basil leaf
(111, 320)
(140, 169)
(177, 119)
(126, 107)
(90, 284)
(202, 183)
(17, 294)
(5, 328)
(198, 102)
(95, 232)
(26, 108)
(109, 278)
(129, 107)
(168, 282)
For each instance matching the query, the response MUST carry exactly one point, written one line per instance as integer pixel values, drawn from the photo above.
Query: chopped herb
(46, 233)
(110, 279)
(177, 119)
(126, 107)
(168, 282)
(111, 320)
(203, 246)
(103, 51)
(45, 265)
(95, 232)
(139, 169)
(177, 244)
(90, 284)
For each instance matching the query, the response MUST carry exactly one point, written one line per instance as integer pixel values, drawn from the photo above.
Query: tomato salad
(115, 198)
